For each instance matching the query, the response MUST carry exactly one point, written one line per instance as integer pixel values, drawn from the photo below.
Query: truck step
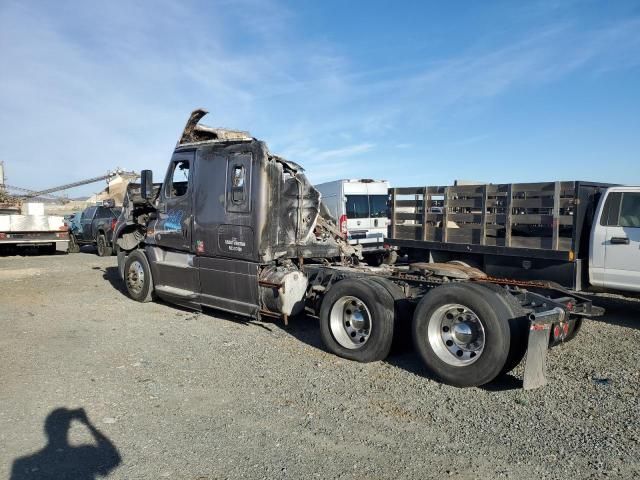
(176, 292)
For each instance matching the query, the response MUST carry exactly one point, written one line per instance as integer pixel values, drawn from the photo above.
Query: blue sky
(419, 93)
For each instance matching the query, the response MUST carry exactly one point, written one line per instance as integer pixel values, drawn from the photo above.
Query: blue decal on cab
(173, 222)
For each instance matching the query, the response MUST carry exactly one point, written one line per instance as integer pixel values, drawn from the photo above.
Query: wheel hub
(456, 334)
(350, 322)
(462, 333)
(135, 277)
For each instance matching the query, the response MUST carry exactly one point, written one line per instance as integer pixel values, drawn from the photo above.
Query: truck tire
(104, 250)
(573, 331)
(73, 245)
(137, 277)
(390, 258)
(403, 311)
(518, 327)
(357, 320)
(461, 331)
(372, 259)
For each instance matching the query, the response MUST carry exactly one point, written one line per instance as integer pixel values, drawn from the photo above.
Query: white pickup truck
(614, 251)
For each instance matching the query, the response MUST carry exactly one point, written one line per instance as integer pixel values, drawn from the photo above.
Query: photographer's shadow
(59, 460)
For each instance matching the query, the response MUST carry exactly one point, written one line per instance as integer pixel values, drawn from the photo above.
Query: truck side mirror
(146, 184)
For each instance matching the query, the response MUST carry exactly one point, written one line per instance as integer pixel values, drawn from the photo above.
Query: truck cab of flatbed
(614, 250)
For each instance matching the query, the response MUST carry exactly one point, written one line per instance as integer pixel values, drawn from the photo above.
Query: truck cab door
(169, 249)
(224, 237)
(622, 241)
(175, 220)
(84, 233)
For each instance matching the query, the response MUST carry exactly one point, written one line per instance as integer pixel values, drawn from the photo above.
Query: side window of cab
(88, 213)
(238, 198)
(630, 210)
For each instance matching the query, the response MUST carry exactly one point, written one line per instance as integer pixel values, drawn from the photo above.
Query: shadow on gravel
(402, 355)
(110, 274)
(623, 312)
(503, 383)
(59, 460)
(229, 317)
(6, 251)
(92, 249)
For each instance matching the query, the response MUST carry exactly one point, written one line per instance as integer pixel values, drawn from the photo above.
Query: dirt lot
(170, 393)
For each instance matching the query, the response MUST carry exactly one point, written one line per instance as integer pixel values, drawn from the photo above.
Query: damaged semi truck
(237, 228)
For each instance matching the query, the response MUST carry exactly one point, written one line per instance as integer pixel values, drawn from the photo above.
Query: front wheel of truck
(137, 277)
(73, 244)
(104, 250)
(461, 332)
(357, 320)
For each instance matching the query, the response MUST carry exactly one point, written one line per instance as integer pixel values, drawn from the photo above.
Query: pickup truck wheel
(390, 258)
(461, 331)
(104, 250)
(372, 259)
(574, 328)
(73, 245)
(137, 277)
(356, 320)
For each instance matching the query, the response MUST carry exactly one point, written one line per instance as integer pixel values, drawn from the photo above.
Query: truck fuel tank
(282, 289)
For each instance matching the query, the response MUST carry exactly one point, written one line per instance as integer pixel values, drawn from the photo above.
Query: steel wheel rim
(456, 334)
(135, 277)
(100, 245)
(350, 322)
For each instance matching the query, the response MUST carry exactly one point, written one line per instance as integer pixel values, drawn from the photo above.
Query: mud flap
(536, 364)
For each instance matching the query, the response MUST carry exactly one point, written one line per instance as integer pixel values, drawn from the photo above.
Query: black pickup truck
(237, 228)
(94, 226)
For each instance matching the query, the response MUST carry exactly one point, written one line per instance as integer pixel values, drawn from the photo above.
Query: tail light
(113, 223)
(342, 223)
(3, 236)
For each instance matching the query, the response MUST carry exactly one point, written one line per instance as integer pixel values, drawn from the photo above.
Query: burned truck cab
(236, 228)
(229, 223)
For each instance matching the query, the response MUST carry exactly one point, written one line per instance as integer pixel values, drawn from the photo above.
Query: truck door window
(179, 179)
(357, 206)
(88, 213)
(378, 206)
(630, 210)
(103, 212)
(611, 210)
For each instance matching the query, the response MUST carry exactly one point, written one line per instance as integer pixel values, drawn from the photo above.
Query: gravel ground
(205, 396)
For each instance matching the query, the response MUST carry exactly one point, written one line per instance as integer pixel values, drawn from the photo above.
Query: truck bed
(545, 219)
(30, 223)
